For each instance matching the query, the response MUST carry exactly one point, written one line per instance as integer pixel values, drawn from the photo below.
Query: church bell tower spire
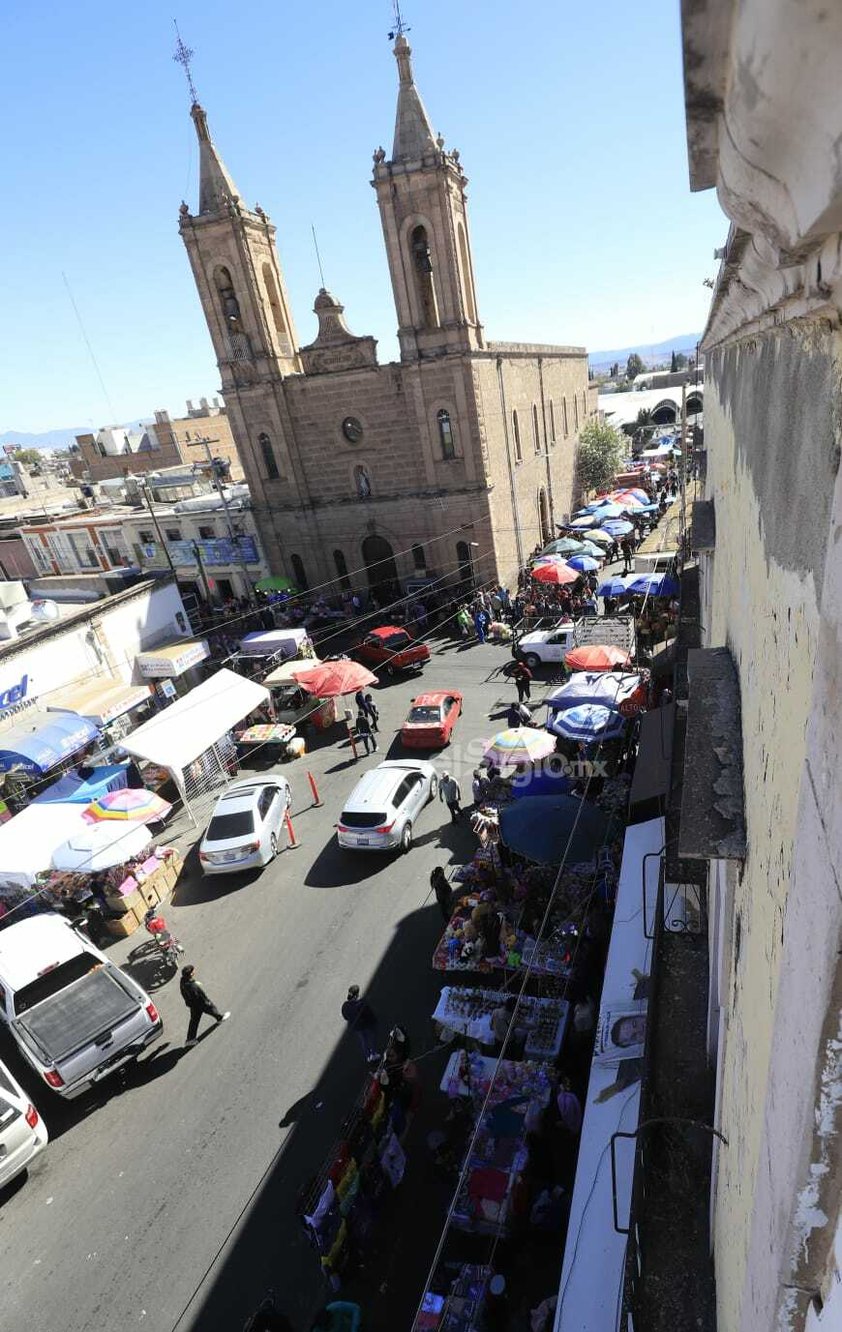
(421, 193)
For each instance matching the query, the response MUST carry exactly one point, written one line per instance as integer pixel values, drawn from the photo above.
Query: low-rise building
(202, 434)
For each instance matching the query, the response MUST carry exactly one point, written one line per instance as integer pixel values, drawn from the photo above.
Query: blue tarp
(72, 790)
(540, 826)
(43, 740)
(546, 778)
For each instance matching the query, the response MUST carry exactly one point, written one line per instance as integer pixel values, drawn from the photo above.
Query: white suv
(23, 1133)
(383, 806)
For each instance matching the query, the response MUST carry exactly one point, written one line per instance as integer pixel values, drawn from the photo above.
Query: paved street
(171, 1203)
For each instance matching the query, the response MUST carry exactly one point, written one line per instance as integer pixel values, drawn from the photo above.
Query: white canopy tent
(27, 841)
(190, 737)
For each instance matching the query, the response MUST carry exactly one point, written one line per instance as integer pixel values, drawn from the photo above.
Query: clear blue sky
(569, 118)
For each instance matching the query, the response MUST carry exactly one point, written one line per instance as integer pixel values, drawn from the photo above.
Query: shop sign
(172, 661)
(12, 698)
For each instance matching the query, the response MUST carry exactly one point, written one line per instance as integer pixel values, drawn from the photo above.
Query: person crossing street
(450, 792)
(196, 998)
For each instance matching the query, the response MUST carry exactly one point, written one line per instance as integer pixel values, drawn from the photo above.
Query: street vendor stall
(192, 737)
(293, 705)
(539, 1023)
(273, 737)
(40, 741)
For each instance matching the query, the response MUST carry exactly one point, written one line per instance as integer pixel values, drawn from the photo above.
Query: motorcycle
(169, 947)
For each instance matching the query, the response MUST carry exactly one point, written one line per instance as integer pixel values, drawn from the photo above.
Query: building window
(362, 482)
(172, 533)
(342, 570)
(63, 552)
(422, 263)
(470, 309)
(575, 412)
(584, 404)
(448, 447)
(146, 538)
(207, 533)
(270, 465)
(552, 422)
(419, 559)
(298, 573)
(516, 432)
(536, 433)
(40, 558)
(465, 562)
(564, 421)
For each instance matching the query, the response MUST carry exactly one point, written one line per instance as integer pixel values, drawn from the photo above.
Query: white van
(74, 1015)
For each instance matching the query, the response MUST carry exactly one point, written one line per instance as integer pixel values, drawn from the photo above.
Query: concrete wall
(772, 432)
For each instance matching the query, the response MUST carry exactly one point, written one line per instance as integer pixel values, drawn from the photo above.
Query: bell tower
(424, 212)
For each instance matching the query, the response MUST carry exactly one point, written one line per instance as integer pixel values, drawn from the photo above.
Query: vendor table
(541, 1022)
(267, 733)
(548, 958)
(461, 1308)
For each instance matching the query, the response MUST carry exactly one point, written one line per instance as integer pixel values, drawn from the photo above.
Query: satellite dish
(42, 611)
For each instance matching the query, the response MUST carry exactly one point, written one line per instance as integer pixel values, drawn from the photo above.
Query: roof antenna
(399, 26)
(318, 258)
(183, 56)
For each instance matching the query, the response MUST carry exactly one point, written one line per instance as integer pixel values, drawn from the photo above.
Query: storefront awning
(703, 526)
(99, 700)
(183, 731)
(33, 746)
(27, 841)
(713, 823)
(651, 778)
(174, 659)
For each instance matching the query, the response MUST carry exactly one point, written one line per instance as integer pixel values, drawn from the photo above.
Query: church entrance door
(379, 559)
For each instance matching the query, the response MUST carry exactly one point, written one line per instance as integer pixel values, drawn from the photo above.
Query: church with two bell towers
(449, 464)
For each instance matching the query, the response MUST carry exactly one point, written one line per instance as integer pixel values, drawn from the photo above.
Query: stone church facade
(451, 463)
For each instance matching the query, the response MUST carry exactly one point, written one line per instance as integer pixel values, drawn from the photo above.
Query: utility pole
(203, 575)
(143, 483)
(220, 490)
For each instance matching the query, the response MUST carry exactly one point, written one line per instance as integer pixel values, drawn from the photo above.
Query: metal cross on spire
(183, 56)
(400, 27)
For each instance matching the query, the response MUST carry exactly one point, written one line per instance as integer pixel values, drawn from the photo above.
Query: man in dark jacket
(522, 677)
(195, 997)
(362, 1021)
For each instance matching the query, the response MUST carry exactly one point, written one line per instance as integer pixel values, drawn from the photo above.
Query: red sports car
(431, 719)
(393, 648)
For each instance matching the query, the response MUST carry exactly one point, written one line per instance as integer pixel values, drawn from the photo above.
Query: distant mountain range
(47, 439)
(648, 352)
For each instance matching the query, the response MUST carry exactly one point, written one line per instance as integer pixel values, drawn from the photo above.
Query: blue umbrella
(592, 549)
(540, 827)
(584, 563)
(613, 587)
(588, 722)
(653, 584)
(617, 527)
(609, 510)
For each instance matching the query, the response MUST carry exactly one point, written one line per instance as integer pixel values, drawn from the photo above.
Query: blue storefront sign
(219, 550)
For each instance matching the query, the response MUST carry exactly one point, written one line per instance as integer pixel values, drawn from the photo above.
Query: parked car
(380, 813)
(75, 1016)
(431, 719)
(23, 1133)
(245, 826)
(393, 648)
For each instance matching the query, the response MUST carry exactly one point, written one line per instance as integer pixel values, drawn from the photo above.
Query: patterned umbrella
(519, 744)
(588, 722)
(554, 573)
(129, 805)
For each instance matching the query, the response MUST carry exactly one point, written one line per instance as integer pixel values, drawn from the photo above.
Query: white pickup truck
(549, 645)
(75, 1016)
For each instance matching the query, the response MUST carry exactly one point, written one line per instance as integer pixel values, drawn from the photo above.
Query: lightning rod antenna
(399, 27)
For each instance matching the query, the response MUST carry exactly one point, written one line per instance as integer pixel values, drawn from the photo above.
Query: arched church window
(422, 263)
(552, 422)
(362, 481)
(419, 559)
(298, 573)
(575, 412)
(448, 445)
(227, 299)
(564, 417)
(342, 570)
(536, 433)
(470, 309)
(270, 462)
(516, 433)
(274, 302)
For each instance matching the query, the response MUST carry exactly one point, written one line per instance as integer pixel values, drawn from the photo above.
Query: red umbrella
(555, 573)
(599, 657)
(333, 678)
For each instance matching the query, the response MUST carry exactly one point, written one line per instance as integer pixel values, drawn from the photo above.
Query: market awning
(99, 700)
(27, 841)
(172, 659)
(545, 828)
(713, 825)
(183, 731)
(76, 790)
(651, 778)
(32, 746)
(703, 525)
(283, 674)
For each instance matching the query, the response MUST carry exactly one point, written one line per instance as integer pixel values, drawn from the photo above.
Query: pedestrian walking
(372, 712)
(441, 888)
(450, 792)
(626, 548)
(362, 1020)
(196, 998)
(522, 677)
(364, 732)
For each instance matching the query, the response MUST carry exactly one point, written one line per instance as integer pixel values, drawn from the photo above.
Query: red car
(431, 719)
(392, 648)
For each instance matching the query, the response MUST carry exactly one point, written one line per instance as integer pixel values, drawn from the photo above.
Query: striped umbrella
(588, 722)
(519, 744)
(131, 805)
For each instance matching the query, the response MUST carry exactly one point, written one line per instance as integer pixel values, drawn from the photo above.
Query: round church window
(352, 429)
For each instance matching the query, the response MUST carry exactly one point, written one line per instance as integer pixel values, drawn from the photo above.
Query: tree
(29, 457)
(680, 360)
(600, 452)
(644, 428)
(615, 370)
(673, 364)
(634, 366)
